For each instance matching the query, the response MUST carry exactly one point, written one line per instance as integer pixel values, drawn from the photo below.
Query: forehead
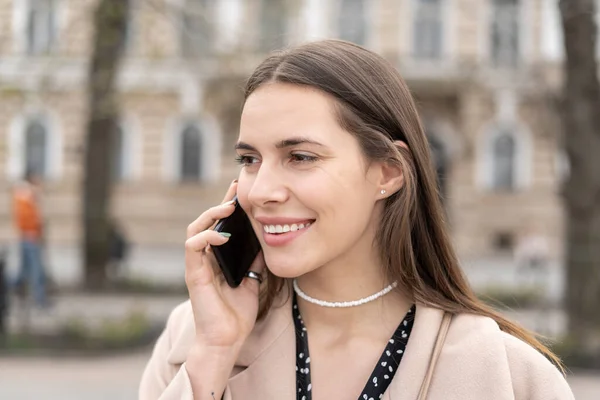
(279, 109)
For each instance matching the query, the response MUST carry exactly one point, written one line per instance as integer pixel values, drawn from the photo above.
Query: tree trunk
(110, 22)
(581, 124)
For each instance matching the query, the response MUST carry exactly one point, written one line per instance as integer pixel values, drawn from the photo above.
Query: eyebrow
(291, 142)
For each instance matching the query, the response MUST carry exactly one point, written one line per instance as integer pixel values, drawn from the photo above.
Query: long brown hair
(374, 104)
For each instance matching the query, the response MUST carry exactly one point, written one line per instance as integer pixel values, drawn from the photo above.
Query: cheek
(338, 182)
(243, 189)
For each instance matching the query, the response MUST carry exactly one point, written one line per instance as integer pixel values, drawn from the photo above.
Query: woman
(337, 181)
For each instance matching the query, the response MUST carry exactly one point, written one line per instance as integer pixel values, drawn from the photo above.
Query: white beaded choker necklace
(343, 304)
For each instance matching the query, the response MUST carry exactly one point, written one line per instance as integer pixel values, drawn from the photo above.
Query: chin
(287, 266)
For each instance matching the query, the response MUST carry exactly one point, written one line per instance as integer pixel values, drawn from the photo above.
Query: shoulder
(533, 375)
(180, 331)
(494, 352)
(180, 315)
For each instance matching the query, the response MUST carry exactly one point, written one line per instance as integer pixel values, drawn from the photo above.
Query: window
(427, 34)
(34, 141)
(503, 242)
(191, 150)
(352, 21)
(196, 33)
(273, 25)
(504, 149)
(505, 31)
(505, 157)
(36, 148)
(41, 26)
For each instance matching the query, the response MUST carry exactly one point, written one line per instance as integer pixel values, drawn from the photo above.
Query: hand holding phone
(237, 255)
(223, 316)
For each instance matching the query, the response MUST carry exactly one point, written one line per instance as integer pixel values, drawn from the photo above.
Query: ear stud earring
(383, 191)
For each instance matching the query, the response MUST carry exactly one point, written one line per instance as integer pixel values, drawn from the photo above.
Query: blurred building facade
(484, 73)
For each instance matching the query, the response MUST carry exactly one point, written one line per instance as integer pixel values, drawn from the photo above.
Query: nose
(268, 187)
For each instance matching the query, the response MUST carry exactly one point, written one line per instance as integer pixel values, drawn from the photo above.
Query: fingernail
(234, 181)
(228, 203)
(225, 234)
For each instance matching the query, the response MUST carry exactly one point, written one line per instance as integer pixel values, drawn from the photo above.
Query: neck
(356, 274)
(342, 281)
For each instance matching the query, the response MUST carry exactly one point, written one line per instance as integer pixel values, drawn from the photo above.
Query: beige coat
(478, 361)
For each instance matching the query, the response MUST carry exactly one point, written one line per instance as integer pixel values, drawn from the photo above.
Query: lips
(282, 231)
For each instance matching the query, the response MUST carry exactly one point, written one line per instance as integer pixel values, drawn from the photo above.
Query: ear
(391, 176)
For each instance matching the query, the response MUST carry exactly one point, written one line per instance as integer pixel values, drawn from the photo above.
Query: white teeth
(285, 228)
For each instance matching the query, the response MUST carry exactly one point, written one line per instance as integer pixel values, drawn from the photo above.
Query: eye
(246, 160)
(302, 158)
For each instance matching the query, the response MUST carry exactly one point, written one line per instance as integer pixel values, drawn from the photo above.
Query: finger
(230, 192)
(204, 292)
(201, 275)
(257, 266)
(200, 241)
(209, 217)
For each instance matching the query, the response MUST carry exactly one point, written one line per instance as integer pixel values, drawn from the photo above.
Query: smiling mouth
(279, 229)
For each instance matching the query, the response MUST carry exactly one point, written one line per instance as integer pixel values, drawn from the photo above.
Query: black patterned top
(380, 377)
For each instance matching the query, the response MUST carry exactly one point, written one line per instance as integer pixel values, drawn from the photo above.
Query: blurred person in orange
(28, 222)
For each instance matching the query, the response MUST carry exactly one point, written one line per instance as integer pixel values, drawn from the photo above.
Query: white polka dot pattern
(380, 377)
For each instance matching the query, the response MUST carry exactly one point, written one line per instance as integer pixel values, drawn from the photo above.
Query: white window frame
(19, 24)
(314, 20)
(526, 13)
(371, 21)
(522, 170)
(132, 150)
(230, 16)
(562, 166)
(552, 34)
(448, 26)
(211, 147)
(15, 160)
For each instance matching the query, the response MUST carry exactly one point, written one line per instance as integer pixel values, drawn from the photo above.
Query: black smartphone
(236, 256)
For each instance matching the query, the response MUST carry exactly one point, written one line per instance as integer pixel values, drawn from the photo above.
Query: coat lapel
(267, 360)
(413, 367)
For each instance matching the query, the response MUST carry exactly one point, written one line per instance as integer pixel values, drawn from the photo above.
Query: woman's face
(309, 192)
